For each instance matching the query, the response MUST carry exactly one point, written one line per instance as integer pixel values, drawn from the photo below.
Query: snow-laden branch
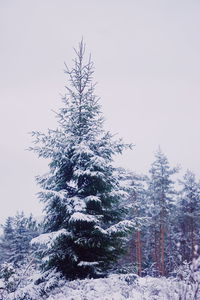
(122, 226)
(48, 239)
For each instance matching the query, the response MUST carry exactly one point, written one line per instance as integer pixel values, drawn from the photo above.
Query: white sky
(147, 61)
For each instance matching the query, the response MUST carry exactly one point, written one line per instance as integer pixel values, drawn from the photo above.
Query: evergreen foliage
(161, 203)
(189, 216)
(81, 192)
(18, 231)
(136, 202)
(7, 241)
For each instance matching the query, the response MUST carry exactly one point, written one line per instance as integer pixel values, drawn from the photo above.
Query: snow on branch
(122, 226)
(48, 239)
(89, 173)
(80, 217)
(62, 195)
(88, 263)
(92, 198)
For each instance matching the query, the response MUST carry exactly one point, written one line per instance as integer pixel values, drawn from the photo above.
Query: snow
(77, 203)
(60, 194)
(121, 226)
(120, 287)
(83, 148)
(2, 284)
(78, 216)
(114, 287)
(103, 231)
(92, 198)
(48, 238)
(88, 263)
(88, 172)
(73, 184)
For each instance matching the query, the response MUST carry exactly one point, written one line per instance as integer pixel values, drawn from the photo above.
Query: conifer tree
(189, 216)
(7, 241)
(18, 231)
(161, 205)
(25, 229)
(134, 185)
(138, 213)
(83, 225)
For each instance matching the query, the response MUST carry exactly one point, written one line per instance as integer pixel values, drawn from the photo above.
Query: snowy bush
(189, 280)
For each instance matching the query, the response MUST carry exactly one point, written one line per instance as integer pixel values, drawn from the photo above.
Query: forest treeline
(166, 212)
(166, 216)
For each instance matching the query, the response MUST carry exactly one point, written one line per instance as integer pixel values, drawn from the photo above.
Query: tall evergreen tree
(161, 206)
(189, 216)
(83, 226)
(134, 185)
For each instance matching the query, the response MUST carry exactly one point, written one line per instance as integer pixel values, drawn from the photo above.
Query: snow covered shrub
(183, 271)
(6, 271)
(130, 278)
(124, 268)
(189, 280)
(48, 281)
(8, 274)
(37, 286)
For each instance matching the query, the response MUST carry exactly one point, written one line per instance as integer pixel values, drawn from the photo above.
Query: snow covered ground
(121, 287)
(115, 287)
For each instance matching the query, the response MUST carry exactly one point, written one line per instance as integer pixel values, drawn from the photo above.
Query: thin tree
(189, 215)
(161, 203)
(133, 184)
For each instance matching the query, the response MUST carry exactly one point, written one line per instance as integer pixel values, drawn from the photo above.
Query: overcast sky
(147, 64)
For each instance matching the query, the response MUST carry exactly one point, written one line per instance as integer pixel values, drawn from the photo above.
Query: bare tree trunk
(192, 238)
(156, 252)
(132, 250)
(138, 253)
(162, 250)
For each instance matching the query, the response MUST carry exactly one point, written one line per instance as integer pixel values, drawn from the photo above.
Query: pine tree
(83, 228)
(138, 211)
(7, 241)
(161, 205)
(18, 231)
(25, 229)
(189, 216)
(134, 185)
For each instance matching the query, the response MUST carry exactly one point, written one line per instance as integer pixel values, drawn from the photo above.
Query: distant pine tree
(25, 229)
(7, 241)
(18, 231)
(161, 205)
(189, 216)
(135, 201)
(84, 227)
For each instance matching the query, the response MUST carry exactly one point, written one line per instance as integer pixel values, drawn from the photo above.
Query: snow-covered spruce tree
(7, 241)
(189, 216)
(134, 185)
(25, 229)
(138, 209)
(84, 225)
(161, 210)
(18, 231)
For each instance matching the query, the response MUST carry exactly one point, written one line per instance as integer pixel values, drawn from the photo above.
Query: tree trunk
(162, 250)
(156, 252)
(138, 253)
(192, 238)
